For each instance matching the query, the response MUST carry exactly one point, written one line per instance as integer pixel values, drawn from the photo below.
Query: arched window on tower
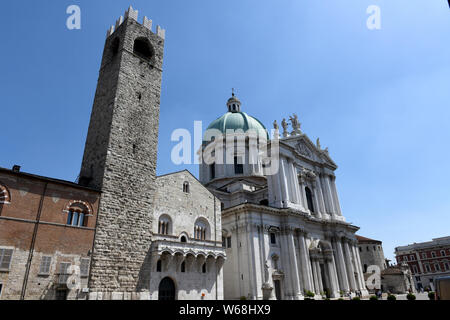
(309, 198)
(165, 225)
(143, 48)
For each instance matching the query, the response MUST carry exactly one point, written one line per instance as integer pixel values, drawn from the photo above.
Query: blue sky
(378, 99)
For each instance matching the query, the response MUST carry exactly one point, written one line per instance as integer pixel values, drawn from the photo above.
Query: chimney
(16, 168)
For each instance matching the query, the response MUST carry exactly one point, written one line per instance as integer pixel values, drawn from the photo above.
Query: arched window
(201, 230)
(164, 225)
(159, 266)
(143, 48)
(309, 198)
(5, 197)
(77, 214)
(183, 266)
(186, 187)
(183, 239)
(204, 268)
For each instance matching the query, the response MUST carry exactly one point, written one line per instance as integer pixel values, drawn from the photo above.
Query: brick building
(46, 225)
(426, 260)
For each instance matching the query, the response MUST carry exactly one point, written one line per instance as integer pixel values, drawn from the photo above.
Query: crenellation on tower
(133, 15)
(161, 32)
(147, 23)
(119, 22)
(110, 31)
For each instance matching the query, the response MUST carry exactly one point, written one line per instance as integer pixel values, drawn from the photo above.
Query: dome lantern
(233, 104)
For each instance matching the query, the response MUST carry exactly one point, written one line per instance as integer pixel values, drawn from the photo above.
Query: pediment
(304, 147)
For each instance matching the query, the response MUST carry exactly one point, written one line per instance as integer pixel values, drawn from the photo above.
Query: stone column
(316, 201)
(349, 264)
(258, 269)
(315, 276)
(305, 263)
(340, 263)
(293, 264)
(319, 276)
(358, 267)
(276, 192)
(320, 193)
(363, 281)
(285, 260)
(329, 194)
(283, 183)
(294, 183)
(333, 276)
(335, 196)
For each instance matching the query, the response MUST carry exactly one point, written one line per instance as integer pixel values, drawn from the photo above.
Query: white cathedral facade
(283, 231)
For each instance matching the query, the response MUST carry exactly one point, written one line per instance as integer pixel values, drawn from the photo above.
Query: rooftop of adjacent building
(362, 239)
(16, 170)
(442, 241)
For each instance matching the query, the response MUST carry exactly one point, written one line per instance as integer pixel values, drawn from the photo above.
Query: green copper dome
(236, 121)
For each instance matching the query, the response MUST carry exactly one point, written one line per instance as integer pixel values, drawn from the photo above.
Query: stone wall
(182, 207)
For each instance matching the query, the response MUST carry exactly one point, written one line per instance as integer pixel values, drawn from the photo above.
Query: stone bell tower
(120, 156)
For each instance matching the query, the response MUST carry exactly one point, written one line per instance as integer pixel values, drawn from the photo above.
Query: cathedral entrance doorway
(166, 289)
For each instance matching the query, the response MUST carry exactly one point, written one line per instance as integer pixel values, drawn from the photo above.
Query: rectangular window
(238, 167)
(424, 255)
(414, 269)
(273, 239)
(63, 272)
(224, 242)
(46, 262)
(229, 242)
(360, 250)
(412, 258)
(84, 267)
(447, 266)
(212, 171)
(437, 267)
(405, 258)
(427, 267)
(5, 259)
